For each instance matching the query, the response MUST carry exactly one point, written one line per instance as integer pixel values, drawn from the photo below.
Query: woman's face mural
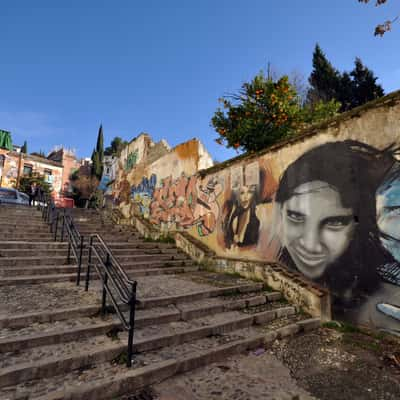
(246, 195)
(316, 227)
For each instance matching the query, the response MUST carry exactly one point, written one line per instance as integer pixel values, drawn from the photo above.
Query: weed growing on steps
(161, 239)
(113, 333)
(342, 327)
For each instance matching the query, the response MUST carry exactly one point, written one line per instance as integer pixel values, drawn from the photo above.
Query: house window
(48, 175)
(27, 170)
(2, 159)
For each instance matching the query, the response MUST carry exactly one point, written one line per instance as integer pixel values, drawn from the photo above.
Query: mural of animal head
(327, 212)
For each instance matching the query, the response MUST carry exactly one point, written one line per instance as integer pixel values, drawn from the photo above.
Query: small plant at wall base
(264, 112)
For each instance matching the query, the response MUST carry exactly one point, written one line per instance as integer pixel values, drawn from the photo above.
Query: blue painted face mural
(388, 212)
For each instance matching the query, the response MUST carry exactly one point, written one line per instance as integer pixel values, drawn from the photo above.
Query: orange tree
(262, 113)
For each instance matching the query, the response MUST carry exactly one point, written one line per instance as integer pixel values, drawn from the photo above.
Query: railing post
(55, 231)
(69, 252)
(89, 263)
(131, 325)
(105, 281)
(78, 279)
(63, 226)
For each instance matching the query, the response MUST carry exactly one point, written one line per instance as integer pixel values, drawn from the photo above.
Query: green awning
(5, 140)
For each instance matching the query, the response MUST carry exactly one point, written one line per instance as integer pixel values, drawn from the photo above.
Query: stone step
(118, 251)
(31, 261)
(85, 326)
(21, 229)
(71, 277)
(149, 259)
(30, 237)
(11, 245)
(21, 271)
(183, 352)
(17, 210)
(120, 254)
(143, 244)
(53, 357)
(240, 290)
(131, 265)
(241, 293)
(11, 219)
(32, 252)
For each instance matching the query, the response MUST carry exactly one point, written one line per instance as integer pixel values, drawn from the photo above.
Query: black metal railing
(76, 243)
(61, 224)
(116, 284)
(47, 206)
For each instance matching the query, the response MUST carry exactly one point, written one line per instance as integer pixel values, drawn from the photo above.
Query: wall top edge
(310, 131)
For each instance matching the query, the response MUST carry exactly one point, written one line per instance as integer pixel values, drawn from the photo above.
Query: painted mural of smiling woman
(325, 204)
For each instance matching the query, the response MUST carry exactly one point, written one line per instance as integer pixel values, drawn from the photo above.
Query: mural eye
(393, 211)
(295, 216)
(339, 222)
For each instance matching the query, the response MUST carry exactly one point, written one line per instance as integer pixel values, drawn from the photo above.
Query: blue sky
(160, 66)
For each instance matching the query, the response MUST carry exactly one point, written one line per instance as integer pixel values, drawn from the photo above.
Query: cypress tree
(100, 144)
(345, 93)
(100, 152)
(96, 165)
(365, 87)
(324, 79)
(24, 148)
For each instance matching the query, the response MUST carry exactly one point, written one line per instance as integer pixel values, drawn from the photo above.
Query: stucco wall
(326, 203)
(39, 166)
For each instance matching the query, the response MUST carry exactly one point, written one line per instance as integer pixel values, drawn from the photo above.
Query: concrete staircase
(28, 253)
(54, 344)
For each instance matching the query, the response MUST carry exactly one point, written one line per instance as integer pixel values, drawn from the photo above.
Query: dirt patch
(342, 363)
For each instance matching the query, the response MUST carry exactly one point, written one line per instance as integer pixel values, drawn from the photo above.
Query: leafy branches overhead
(386, 26)
(263, 112)
(116, 146)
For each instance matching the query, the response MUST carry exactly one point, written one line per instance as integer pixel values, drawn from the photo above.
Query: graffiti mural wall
(326, 205)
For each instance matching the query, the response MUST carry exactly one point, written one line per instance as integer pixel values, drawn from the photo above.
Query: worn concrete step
(32, 252)
(132, 265)
(30, 237)
(120, 251)
(16, 220)
(150, 259)
(243, 295)
(161, 301)
(12, 245)
(56, 358)
(11, 209)
(143, 244)
(37, 260)
(21, 229)
(156, 366)
(71, 277)
(84, 327)
(37, 270)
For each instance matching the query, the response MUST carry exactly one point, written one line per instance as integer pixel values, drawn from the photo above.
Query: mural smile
(309, 259)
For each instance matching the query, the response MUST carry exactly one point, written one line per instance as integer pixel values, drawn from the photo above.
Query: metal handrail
(52, 215)
(107, 267)
(76, 243)
(111, 272)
